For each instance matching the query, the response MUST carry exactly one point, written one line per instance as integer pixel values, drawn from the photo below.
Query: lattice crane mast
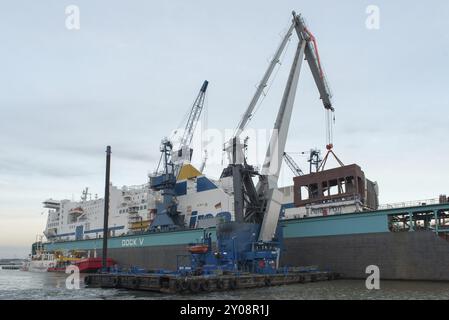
(292, 165)
(184, 151)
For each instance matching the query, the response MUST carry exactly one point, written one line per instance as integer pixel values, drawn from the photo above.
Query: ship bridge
(51, 204)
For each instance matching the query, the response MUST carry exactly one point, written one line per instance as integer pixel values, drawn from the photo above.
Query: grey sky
(129, 74)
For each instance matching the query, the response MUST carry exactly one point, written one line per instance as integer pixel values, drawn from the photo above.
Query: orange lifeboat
(77, 210)
(199, 248)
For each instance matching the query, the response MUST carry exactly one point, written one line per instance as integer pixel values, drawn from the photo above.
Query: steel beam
(275, 153)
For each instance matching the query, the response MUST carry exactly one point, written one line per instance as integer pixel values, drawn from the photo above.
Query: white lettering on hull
(137, 242)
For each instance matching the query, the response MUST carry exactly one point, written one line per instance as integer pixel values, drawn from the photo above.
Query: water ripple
(19, 285)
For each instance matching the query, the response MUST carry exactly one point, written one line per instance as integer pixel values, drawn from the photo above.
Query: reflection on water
(27, 285)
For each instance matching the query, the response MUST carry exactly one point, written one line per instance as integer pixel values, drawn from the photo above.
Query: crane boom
(263, 83)
(194, 116)
(184, 152)
(313, 59)
(292, 165)
(267, 187)
(273, 159)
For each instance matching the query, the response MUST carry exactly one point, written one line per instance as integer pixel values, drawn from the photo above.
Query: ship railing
(336, 200)
(408, 204)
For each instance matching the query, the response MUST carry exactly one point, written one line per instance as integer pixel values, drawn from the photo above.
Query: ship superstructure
(78, 220)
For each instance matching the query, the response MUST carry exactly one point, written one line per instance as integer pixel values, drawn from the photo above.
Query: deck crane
(261, 203)
(292, 165)
(314, 161)
(184, 152)
(164, 178)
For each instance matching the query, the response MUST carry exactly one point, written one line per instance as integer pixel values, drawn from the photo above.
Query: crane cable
(204, 123)
(281, 60)
(181, 126)
(330, 115)
(330, 121)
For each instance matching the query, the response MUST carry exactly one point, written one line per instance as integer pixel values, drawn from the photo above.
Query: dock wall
(419, 255)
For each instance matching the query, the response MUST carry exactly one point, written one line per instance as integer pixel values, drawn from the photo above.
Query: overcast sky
(129, 74)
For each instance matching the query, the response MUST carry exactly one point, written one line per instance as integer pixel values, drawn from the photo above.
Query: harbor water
(16, 285)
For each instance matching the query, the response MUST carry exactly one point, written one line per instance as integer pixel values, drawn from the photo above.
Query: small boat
(39, 262)
(199, 248)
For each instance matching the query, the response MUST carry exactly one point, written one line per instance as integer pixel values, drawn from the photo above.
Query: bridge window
(342, 185)
(304, 193)
(324, 188)
(333, 187)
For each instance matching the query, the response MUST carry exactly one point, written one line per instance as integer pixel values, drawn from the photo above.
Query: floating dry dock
(197, 284)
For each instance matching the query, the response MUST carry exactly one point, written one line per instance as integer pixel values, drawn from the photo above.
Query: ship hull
(346, 244)
(400, 256)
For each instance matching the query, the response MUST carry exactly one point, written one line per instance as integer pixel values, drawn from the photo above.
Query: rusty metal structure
(337, 184)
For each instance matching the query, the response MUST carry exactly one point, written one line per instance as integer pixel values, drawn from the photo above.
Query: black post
(106, 209)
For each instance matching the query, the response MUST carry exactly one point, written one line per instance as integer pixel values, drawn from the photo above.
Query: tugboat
(79, 259)
(39, 262)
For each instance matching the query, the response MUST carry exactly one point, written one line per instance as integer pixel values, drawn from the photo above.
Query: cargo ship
(327, 217)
